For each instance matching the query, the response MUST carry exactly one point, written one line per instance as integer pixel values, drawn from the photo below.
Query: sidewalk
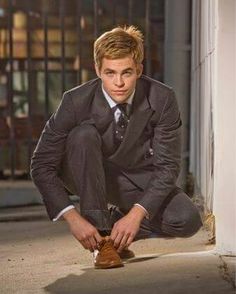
(38, 256)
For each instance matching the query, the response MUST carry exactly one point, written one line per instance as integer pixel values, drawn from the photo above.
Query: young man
(116, 140)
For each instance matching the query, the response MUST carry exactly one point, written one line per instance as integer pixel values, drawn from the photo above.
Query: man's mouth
(119, 91)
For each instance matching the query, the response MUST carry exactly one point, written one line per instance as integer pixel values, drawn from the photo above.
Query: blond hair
(118, 43)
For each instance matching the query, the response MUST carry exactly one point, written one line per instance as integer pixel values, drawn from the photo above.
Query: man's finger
(84, 244)
(93, 243)
(97, 237)
(129, 241)
(114, 234)
(118, 240)
(123, 243)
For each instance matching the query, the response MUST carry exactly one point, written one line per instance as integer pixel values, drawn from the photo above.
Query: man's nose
(119, 82)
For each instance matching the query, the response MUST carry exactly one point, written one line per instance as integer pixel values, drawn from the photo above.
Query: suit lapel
(141, 112)
(103, 117)
(101, 111)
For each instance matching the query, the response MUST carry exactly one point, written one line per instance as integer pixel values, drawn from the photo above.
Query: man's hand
(82, 230)
(125, 229)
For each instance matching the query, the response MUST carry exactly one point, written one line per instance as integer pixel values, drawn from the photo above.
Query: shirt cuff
(139, 205)
(62, 212)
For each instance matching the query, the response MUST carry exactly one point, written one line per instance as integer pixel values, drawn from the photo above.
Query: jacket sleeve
(48, 155)
(166, 158)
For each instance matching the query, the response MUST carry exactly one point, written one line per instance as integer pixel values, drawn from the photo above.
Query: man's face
(119, 77)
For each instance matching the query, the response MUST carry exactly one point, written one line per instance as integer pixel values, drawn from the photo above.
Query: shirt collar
(112, 103)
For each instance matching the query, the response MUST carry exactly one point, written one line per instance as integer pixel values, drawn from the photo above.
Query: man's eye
(109, 73)
(128, 73)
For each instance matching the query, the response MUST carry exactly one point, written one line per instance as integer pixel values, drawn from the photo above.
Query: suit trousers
(106, 194)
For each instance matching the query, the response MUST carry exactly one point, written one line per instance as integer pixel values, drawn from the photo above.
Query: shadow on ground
(104, 281)
(165, 274)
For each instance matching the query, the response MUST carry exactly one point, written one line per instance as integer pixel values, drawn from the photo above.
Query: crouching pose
(115, 142)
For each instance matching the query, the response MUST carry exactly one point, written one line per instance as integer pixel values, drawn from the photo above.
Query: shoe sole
(127, 257)
(108, 266)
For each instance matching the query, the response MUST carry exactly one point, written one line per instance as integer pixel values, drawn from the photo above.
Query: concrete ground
(38, 256)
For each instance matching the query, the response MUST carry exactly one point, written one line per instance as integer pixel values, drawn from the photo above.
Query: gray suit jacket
(149, 154)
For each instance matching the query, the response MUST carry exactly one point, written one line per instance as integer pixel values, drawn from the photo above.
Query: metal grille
(46, 48)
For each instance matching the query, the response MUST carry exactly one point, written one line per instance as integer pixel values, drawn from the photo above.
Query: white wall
(213, 114)
(202, 92)
(224, 107)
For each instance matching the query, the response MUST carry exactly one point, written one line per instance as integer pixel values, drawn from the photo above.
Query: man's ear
(139, 69)
(97, 70)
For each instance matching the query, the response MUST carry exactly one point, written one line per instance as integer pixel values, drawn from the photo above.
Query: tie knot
(125, 108)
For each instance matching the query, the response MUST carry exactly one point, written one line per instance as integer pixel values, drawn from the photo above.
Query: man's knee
(183, 223)
(188, 223)
(83, 135)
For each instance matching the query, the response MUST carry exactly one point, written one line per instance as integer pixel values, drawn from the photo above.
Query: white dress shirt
(117, 113)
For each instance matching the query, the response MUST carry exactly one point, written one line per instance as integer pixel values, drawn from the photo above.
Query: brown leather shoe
(107, 256)
(126, 254)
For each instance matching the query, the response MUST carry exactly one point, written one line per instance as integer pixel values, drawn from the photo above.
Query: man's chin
(120, 99)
